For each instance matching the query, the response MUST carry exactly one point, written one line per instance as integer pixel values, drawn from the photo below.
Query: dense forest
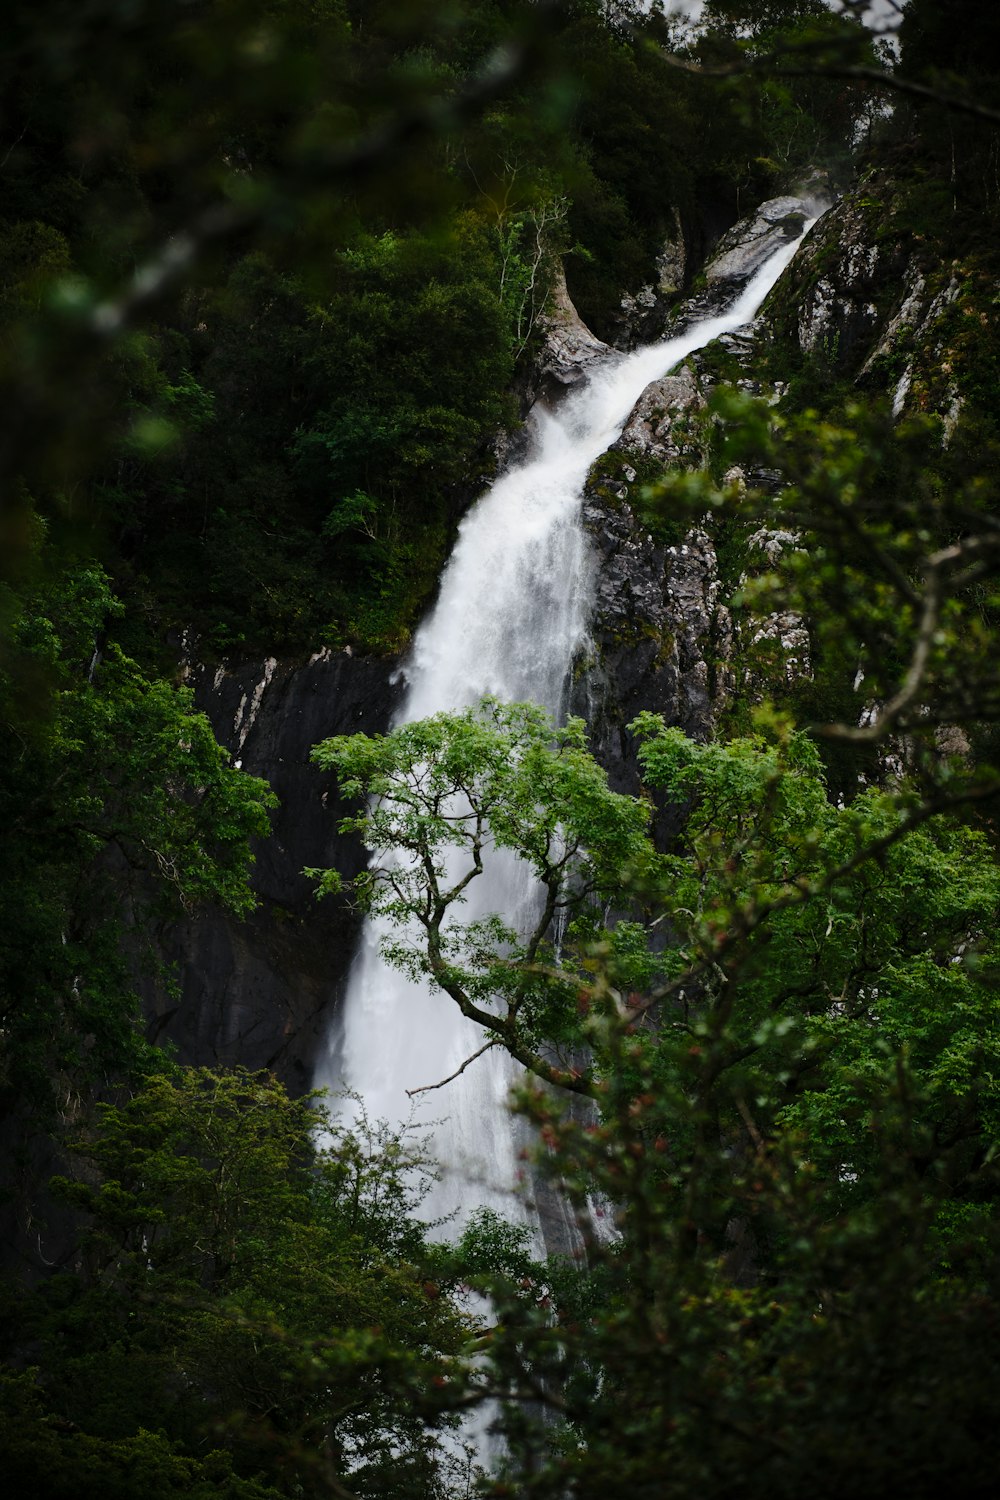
(275, 284)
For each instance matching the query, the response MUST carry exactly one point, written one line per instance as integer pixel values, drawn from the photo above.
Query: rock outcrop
(662, 633)
(912, 353)
(741, 251)
(869, 305)
(568, 348)
(837, 309)
(660, 424)
(744, 248)
(659, 628)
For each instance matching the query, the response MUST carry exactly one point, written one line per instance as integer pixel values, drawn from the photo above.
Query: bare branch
(425, 1088)
(507, 1031)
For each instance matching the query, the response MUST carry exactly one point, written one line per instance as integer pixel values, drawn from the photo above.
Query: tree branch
(425, 1088)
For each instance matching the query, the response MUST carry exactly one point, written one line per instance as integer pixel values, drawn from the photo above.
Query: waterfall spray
(511, 616)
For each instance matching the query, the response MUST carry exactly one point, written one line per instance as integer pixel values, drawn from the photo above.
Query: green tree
(794, 1105)
(448, 790)
(238, 1283)
(46, 1454)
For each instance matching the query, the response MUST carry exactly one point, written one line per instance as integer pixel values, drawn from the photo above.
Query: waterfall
(511, 615)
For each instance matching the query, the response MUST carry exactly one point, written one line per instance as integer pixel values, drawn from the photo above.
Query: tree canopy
(792, 1042)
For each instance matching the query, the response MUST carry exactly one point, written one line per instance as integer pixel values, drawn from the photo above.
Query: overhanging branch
(425, 1088)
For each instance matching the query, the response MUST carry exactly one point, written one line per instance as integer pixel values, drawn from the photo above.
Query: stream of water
(511, 616)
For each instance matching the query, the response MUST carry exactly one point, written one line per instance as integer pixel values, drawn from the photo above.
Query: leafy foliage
(356, 328)
(445, 794)
(239, 1284)
(794, 1110)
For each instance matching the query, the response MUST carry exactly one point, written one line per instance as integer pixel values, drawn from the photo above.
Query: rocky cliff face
(863, 304)
(738, 252)
(260, 992)
(663, 633)
(869, 300)
(643, 314)
(568, 349)
(743, 249)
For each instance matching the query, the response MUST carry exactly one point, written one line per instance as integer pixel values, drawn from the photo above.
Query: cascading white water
(511, 615)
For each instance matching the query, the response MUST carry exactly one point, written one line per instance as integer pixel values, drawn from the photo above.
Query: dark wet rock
(874, 307)
(841, 287)
(663, 636)
(261, 992)
(913, 342)
(659, 424)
